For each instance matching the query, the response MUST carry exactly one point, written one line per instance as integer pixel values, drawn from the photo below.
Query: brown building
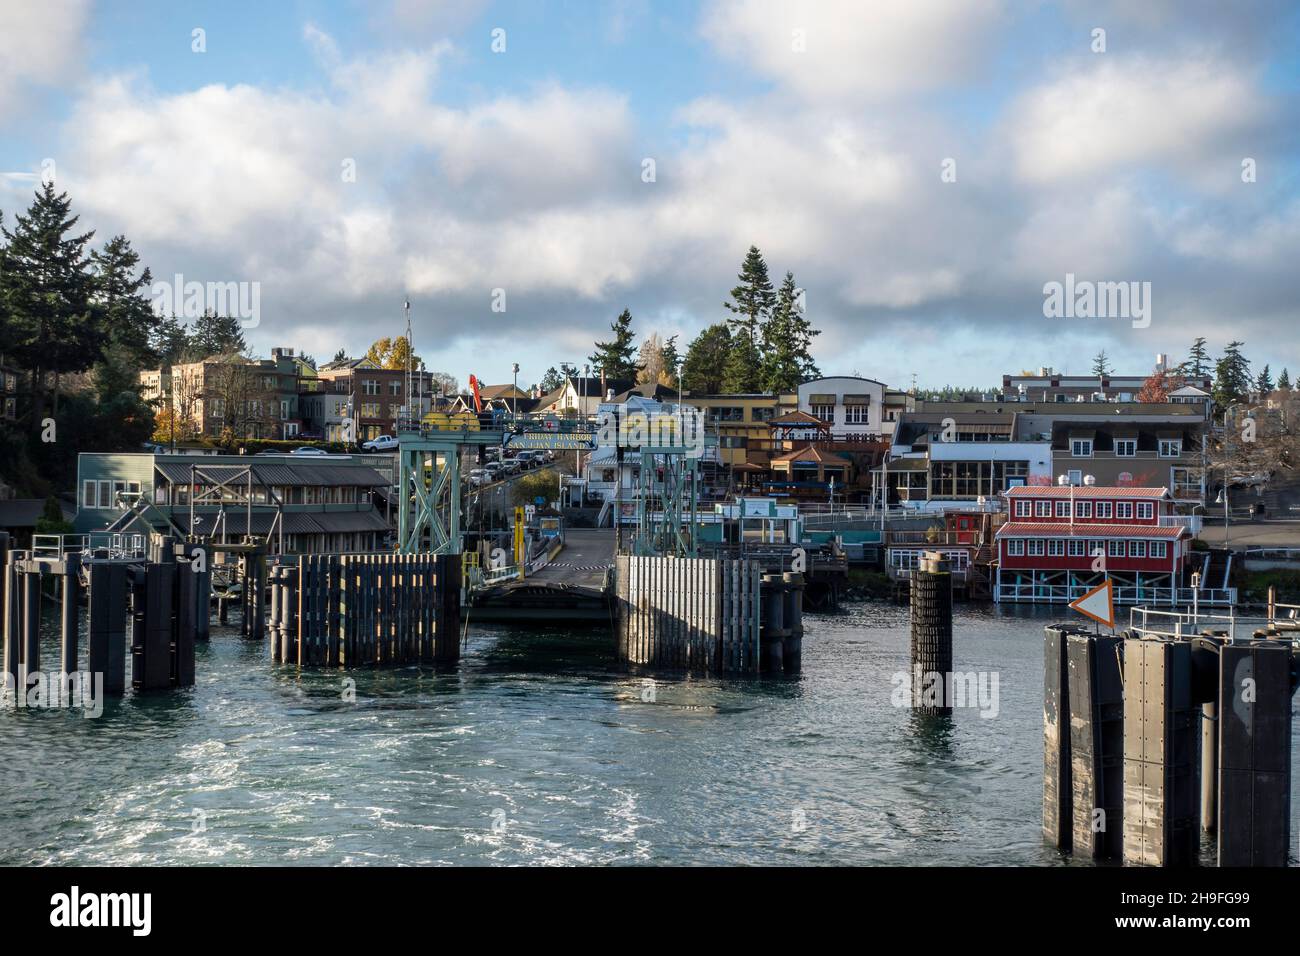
(374, 398)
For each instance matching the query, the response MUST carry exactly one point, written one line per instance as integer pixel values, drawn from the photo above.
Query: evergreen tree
(1231, 376)
(125, 312)
(1198, 360)
(169, 341)
(1264, 382)
(705, 365)
(615, 357)
(752, 301)
(1284, 380)
(46, 289)
(787, 337)
(340, 356)
(1101, 364)
(214, 335)
(671, 360)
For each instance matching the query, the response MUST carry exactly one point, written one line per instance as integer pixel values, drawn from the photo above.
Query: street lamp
(514, 398)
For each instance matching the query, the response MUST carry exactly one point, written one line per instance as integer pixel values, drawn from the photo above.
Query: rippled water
(536, 749)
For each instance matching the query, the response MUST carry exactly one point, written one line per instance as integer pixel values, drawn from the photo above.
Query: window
(1022, 509)
(1062, 509)
(1036, 547)
(284, 410)
(106, 494)
(370, 386)
(369, 409)
(1115, 549)
(89, 494)
(218, 406)
(1158, 549)
(1171, 448)
(1016, 546)
(856, 414)
(825, 412)
(395, 387)
(1075, 477)
(1123, 509)
(1145, 510)
(1126, 448)
(1056, 547)
(1083, 509)
(1103, 509)
(1078, 549)
(1042, 509)
(1081, 447)
(1137, 549)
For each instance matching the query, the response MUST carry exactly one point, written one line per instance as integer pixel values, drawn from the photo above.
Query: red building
(1059, 542)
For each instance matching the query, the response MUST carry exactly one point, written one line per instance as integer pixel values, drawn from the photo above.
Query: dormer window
(1126, 448)
(1171, 448)
(1081, 447)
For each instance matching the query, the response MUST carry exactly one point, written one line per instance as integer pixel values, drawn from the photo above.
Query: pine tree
(1231, 376)
(1197, 363)
(213, 335)
(169, 342)
(615, 357)
(1284, 380)
(1264, 382)
(752, 301)
(671, 360)
(126, 315)
(787, 337)
(340, 356)
(46, 290)
(705, 364)
(1101, 365)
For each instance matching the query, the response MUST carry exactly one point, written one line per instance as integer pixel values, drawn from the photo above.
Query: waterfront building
(848, 404)
(1048, 385)
(300, 504)
(374, 399)
(1061, 541)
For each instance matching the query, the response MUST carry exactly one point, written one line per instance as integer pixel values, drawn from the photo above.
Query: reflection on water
(536, 748)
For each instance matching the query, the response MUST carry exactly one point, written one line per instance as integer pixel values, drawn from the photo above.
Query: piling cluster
(1148, 741)
(931, 629)
(344, 610)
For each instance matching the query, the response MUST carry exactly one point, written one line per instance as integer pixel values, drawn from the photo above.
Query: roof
(1103, 433)
(798, 418)
(501, 391)
(278, 473)
(812, 453)
(21, 512)
(648, 390)
(1030, 529)
(295, 522)
(1084, 491)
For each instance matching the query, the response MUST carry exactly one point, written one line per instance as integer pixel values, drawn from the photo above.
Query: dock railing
(1031, 593)
(1154, 622)
(115, 545)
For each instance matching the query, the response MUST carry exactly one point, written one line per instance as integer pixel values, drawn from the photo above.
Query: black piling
(106, 639)
(1096, 692)
(9, 593)
(931, 614)
(793, 641)
(1254, 754)
(69, 628)
(1057, 805)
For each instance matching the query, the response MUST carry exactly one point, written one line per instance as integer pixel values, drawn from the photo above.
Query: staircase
(1217, 569)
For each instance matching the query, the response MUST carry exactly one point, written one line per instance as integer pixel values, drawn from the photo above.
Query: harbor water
(537, 749)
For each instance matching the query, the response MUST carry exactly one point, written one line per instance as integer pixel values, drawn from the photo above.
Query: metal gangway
(1279, 622)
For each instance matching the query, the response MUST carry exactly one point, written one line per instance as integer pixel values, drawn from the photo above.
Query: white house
(851, 406)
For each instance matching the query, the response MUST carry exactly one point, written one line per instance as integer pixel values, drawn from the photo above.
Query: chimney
(1162, 361)
(603, 387)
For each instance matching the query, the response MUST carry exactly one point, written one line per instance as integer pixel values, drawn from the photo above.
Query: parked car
(493, 470)
(477, 477)
(512, 466)
(309, 450)
(381, 443)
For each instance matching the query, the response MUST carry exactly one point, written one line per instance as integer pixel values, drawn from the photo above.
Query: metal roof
(276, 473)
(1027, 529)
(1083, 491)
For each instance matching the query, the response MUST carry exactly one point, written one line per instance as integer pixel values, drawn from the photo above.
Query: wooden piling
(931, 618)
(1096, 702)
(1057, 804)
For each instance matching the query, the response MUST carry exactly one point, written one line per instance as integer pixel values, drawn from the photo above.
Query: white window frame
(1083, 509)
(1123, 443)
(1063, 509)
(1056, 547)
(1024, 509)
(1124, 510)
(1078, 548)
(1080, 447)
(1036, 548)
(1145, 510)
(1104, 509)
(1157, 549)
(89, 494)
(1115, 548)
(1137, 549)
(1042, 508)
(1170, 448)
(1016, 547)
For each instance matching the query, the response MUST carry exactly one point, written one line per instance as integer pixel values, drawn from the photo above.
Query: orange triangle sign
(1098, 604)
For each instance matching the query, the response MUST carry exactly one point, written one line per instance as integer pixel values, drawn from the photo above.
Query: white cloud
(854, 48)
(1195, 116)
(40, 46)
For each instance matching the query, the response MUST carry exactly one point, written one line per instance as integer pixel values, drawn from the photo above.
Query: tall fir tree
(1264, 381)
(752, 301)
(671, 359)
(616, 358)
(46, 288)
(127, 317)
(1101, 364)
(787, 340)
(1197, 362)
(1284, 380)
(705, 365)
(1231, 376)
(213, 335)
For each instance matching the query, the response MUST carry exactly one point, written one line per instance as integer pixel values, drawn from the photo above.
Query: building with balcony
(1060, 542)
(849, 405)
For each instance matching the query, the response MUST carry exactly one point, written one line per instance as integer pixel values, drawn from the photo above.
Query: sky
(521, 172)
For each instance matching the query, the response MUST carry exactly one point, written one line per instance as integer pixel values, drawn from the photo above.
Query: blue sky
(521, 170)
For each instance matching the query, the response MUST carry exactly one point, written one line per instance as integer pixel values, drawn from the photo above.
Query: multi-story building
(1059, 542)
(300, 504)
(375, 398)
(741, 424)
(850, 406)
(1052, 386)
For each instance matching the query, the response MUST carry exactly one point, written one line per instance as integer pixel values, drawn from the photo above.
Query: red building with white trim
(1061, 541)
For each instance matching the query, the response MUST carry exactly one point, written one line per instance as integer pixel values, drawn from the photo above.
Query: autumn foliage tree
(1158, 385)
